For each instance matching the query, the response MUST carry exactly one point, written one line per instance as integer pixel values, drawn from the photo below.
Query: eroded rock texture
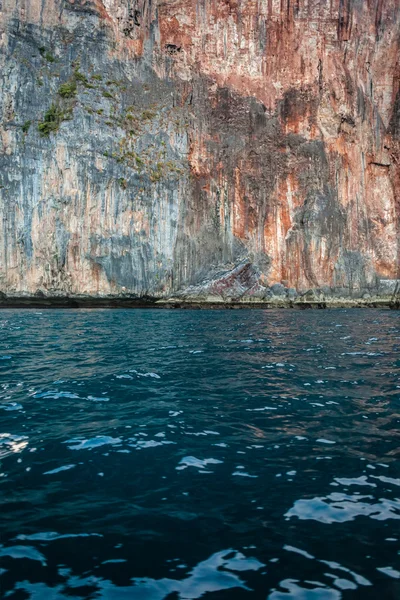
(200, 148)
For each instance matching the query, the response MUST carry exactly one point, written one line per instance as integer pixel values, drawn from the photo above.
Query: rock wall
(208, 149)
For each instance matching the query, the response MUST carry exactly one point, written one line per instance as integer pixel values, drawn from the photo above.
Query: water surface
(154, 455)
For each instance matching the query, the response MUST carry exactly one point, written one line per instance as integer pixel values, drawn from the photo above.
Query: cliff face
(200, 148)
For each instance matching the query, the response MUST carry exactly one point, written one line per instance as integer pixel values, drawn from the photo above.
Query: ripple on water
(11, 444)
(20, 552)
(215, 574)
(95, 442)
(98, 399)
(197, 463)
(10, 406)
(347, 481)
(339, 508)
(59, 470)
(294, 590)
(359, 579)
(244, 474)
(390, 572)
(212, 575)
(56, 395)
(50, 536)
(142, 444)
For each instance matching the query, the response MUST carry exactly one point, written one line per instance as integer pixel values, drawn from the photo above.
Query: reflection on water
(179, 454)
(338, 508)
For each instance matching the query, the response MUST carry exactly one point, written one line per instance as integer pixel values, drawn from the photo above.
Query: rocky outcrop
(208, 150)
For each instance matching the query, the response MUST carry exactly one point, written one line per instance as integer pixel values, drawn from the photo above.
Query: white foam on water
(153, 375)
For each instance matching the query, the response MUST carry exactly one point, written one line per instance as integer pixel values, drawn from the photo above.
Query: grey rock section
(94, 206)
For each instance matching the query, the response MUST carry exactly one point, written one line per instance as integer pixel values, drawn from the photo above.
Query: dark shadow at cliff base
(32, 302)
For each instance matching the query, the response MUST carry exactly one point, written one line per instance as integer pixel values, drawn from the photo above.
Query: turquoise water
(179, 454)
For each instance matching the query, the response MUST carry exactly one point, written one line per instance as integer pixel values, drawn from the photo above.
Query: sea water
(155, 454)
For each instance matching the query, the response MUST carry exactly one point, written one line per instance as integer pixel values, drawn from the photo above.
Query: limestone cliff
(210, 149)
